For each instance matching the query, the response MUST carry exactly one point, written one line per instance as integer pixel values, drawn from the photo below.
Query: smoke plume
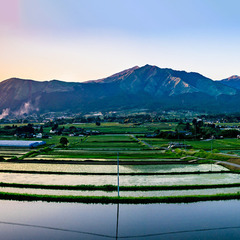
(5, 113)
(26, 108)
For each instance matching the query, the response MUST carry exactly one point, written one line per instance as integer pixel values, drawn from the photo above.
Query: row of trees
(197, 130)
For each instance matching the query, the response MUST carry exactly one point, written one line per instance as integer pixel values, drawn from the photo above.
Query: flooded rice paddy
(122, 193)
(191, 179)
(111, 168)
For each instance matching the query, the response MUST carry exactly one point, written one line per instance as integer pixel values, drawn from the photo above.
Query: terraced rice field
(148, 180)
(106, 142)
(220, 144)
(105, 149)
(119, 128)
(110, 168)
(107, 154)
(10, 152)
(122, 193)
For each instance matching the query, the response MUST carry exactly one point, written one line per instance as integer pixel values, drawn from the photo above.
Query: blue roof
(20, 143)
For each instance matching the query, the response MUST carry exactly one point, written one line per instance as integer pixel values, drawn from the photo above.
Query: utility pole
(118, 172)
(212, 144)
(211, 150)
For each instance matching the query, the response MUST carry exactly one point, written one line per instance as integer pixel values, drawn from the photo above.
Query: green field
(220, 144)
(115, 128)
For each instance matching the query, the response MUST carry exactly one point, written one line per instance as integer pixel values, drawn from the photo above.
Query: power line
(122, 237)
(57, 229)
(179, 232)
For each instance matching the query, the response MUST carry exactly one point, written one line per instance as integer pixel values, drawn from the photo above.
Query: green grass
(110, 139)
(158, 142)
(109, 154)
(219, 144)
(109, 200)
(114, 174)
(100, 141)
(112, 188)
(115, 128)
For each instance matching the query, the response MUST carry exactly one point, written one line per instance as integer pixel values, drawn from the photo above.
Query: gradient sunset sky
(80, 40)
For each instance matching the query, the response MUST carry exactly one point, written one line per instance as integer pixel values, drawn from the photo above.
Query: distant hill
(233, 81)
(138, 87)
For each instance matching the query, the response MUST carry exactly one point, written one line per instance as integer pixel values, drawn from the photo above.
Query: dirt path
(147, 144)
(228, 163)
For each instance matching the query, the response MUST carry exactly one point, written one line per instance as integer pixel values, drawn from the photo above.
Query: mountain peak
(125, 71)
(233, 77)
(233, 81)
(115, 77)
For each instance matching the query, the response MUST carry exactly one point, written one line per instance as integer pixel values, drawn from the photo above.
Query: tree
(64, 141)
(55, 127)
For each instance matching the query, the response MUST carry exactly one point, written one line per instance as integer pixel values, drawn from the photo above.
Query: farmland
(91, 160)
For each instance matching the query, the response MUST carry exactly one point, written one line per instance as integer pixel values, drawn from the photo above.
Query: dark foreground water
(41, 220)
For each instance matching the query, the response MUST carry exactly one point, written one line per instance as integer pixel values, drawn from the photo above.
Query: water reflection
(109, 168)
(117, 221)
(120, 237)
(213, 178)
(40, 220)
(56, 229)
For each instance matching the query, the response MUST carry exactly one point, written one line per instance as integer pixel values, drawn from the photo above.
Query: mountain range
(147, 87)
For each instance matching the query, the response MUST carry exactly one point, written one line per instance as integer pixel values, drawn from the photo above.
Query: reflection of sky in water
(124, 180)
(82, 221)
(111, 168)
(175, 168)
(123, 193)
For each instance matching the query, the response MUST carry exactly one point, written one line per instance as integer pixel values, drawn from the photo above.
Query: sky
(80, 40)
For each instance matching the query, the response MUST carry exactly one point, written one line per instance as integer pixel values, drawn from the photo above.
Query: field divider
(113, 188)
(114, 174)
(100, 162)
(123, 200)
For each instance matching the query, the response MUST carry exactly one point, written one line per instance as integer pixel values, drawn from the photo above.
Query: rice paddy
(111, 168)
(92, 161)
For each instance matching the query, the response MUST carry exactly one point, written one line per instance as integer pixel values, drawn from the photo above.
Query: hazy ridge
(138, 87)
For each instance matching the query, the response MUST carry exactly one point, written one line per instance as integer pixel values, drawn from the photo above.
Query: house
(39, 135)
(178, 145)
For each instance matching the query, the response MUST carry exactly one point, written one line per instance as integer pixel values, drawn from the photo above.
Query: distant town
(188, 124)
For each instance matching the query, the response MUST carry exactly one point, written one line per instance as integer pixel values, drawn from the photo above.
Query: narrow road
(228, 163)
(218, 161)
(230, 155)
(147, 144)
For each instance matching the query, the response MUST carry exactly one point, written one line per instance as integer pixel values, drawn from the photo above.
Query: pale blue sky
(75, 40)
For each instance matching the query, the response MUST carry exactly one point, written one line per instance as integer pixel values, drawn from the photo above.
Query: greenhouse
(20, 143)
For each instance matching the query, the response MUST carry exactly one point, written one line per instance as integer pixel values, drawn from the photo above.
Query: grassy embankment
(114, 174)
(126, 200)
(113, 188)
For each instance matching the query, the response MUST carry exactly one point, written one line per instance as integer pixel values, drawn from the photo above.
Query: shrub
(45, 150)
(201, 154)
(64, 141)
